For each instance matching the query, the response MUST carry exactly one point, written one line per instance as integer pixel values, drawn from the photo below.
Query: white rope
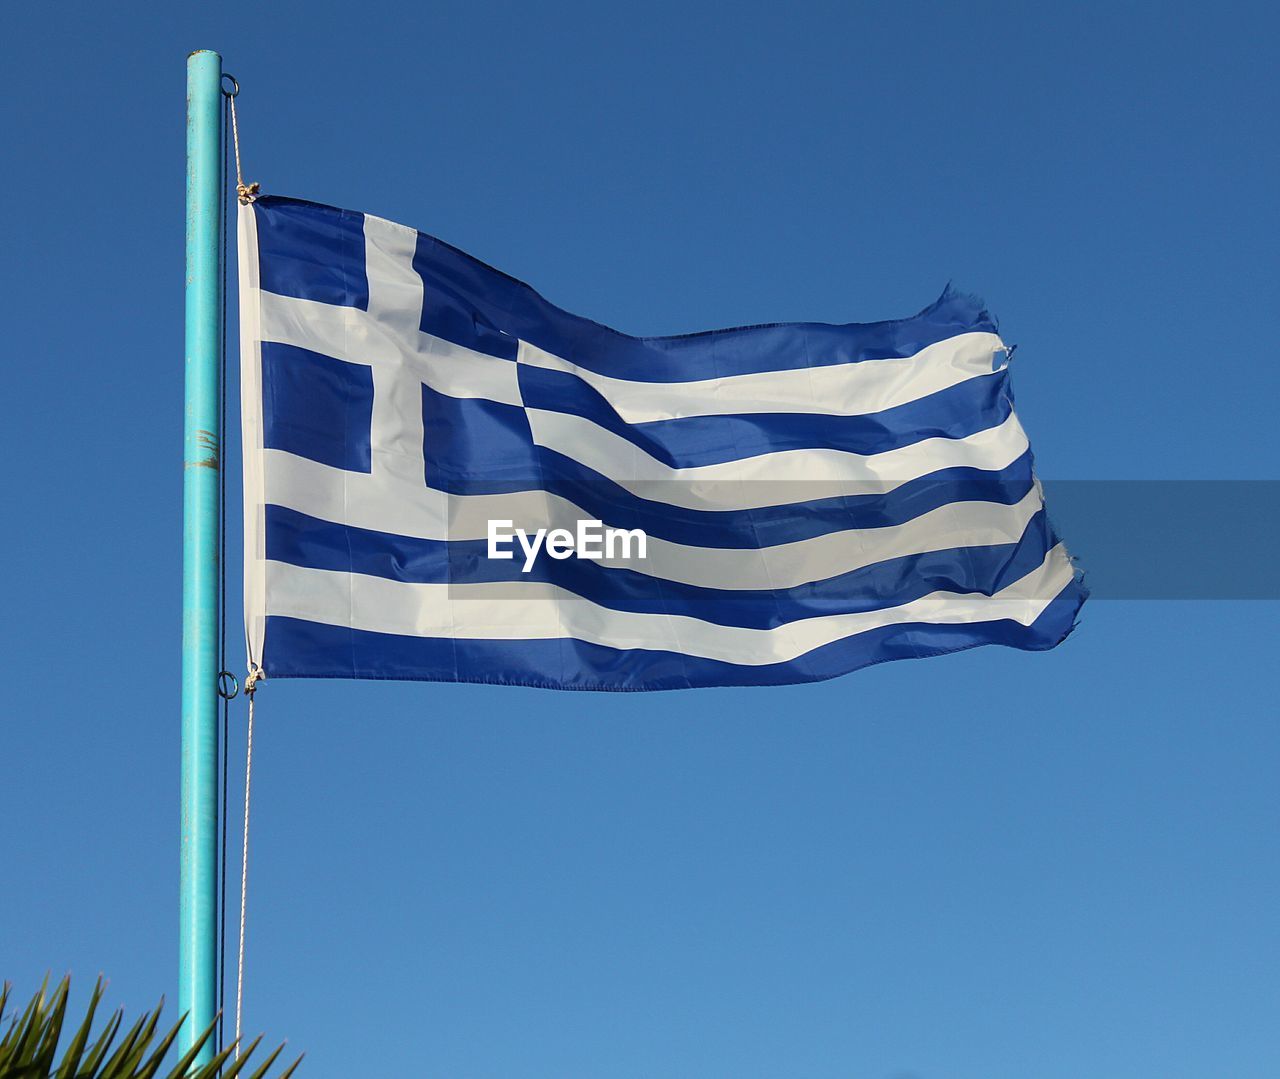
(245, 192)
(250, 688)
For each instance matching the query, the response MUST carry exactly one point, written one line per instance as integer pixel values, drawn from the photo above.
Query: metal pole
(201, 461)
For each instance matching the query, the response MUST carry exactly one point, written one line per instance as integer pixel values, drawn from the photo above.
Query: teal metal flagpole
(201, 462)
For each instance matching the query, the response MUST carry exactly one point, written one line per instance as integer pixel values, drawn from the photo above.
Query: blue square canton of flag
(448, 478)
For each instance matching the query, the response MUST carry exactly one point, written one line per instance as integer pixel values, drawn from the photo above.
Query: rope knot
(246, 193)
(256, 673)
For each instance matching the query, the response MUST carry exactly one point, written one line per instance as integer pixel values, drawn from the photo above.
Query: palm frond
(30, 1043)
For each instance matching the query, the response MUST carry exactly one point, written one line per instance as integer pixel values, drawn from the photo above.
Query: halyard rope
(226, 696)
(250, 689)
(244, 192)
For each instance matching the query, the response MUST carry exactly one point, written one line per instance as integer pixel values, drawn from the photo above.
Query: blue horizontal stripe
(301, 540)
(480, 301)
(689, 442)
(301, 649)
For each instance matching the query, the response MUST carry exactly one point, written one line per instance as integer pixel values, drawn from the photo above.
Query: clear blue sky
(992, 865)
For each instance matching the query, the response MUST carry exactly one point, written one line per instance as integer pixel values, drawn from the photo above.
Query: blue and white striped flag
(438, 462)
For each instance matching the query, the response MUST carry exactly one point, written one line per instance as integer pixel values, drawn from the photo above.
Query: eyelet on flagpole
(228, 685)
(235, 86)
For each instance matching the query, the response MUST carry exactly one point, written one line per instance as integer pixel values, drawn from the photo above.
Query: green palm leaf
(30, 1041)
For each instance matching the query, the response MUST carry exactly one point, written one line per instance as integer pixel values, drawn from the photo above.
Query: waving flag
(437, 461)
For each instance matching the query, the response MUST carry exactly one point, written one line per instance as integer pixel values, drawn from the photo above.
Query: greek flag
(438, 460)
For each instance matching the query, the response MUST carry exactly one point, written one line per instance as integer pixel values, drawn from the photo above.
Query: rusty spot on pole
(208, 442)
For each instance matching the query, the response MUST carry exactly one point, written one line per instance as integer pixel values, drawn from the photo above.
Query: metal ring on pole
(235, 86)
(228, 685)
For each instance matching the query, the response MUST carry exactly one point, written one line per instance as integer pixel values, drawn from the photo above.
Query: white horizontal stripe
(770, 479)
(846, 389)
(543, 612)
(787, 565)
(372, 501)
